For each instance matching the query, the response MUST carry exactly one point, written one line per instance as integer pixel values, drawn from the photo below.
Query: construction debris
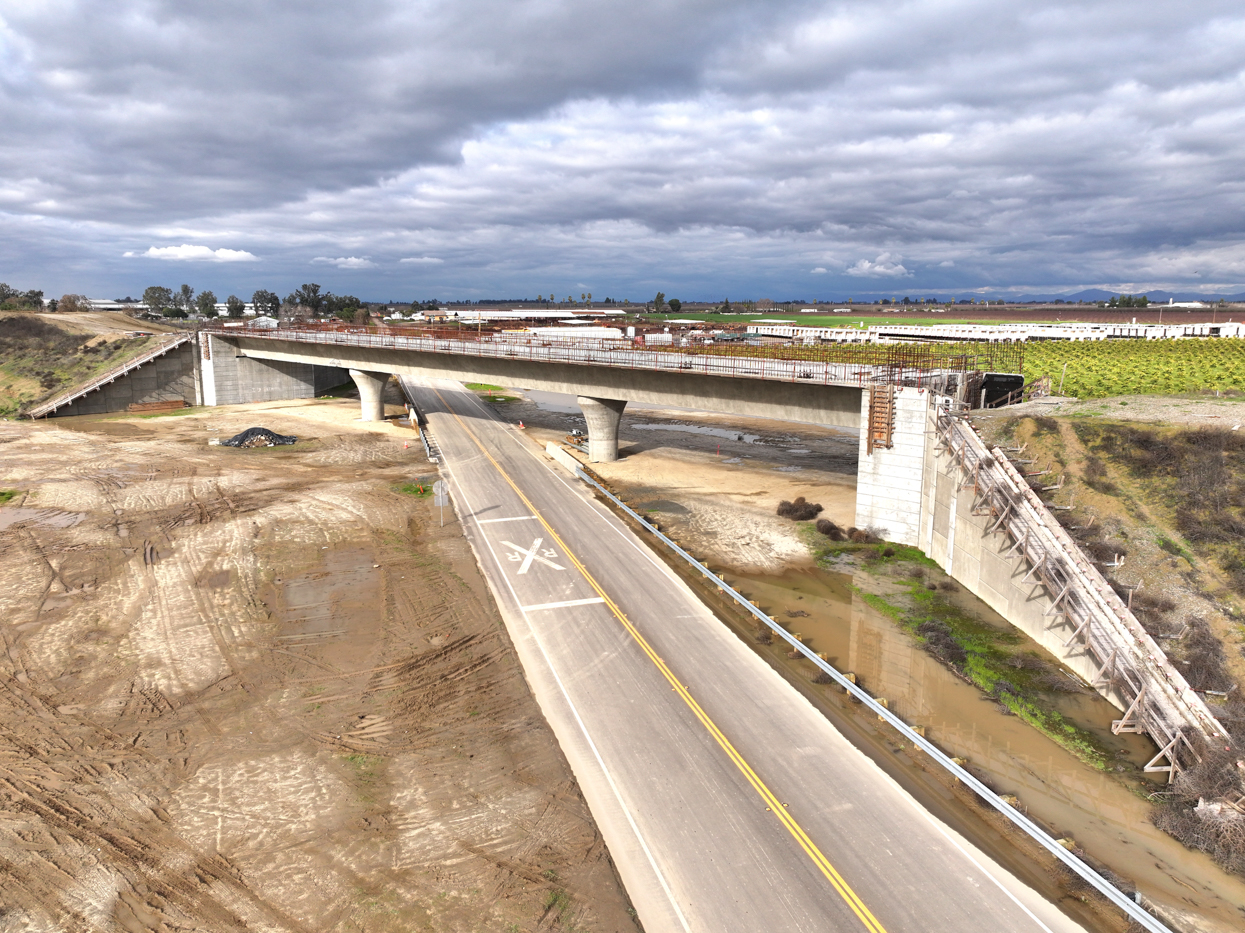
(259, 437)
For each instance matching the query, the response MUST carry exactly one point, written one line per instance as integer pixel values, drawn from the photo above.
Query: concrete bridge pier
(602, 416)
(371, 393)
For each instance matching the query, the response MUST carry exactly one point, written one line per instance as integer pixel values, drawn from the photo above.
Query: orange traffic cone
(522, 425)
(405, 445)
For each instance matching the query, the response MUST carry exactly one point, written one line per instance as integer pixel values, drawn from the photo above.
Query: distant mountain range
(1158, 296)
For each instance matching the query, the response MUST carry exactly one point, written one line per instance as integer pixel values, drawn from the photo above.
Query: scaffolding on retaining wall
(111, 375)
(1158, 700)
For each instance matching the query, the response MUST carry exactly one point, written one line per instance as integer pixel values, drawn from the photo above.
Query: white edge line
(583, 728)
(517, 518)
(565, 604)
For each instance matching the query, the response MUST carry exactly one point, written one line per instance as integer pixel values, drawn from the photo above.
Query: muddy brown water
(1106, 814)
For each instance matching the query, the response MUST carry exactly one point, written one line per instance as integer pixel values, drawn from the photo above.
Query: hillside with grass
(39, 359)
(1161, 510)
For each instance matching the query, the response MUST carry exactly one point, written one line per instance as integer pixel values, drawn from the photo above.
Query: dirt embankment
(263, 689)
(42, 355)
(1160, 506)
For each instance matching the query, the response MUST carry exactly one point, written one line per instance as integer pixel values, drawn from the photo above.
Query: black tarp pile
(259, 437)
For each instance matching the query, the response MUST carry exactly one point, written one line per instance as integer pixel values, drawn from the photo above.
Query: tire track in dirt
(263, 690)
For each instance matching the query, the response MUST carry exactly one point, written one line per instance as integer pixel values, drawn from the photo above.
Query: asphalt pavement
(728, 802)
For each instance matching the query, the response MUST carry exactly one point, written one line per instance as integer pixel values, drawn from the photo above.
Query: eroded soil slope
(262, 689)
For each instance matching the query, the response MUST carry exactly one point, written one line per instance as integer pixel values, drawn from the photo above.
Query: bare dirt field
(263, 689)
(110, 324)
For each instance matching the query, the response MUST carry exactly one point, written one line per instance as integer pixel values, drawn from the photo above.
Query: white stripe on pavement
(565, 604)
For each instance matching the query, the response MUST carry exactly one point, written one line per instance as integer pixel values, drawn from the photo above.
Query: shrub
(830, 530)
(799, 511)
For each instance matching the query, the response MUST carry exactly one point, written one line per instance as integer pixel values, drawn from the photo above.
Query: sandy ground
(715, 481)
(261, 689)
(109, 324)
(1192, 411)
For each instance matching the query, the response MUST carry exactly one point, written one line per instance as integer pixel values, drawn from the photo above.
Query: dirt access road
(262, 689)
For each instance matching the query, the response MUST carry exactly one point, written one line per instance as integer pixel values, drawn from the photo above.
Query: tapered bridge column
(602, 416)
(371, 393)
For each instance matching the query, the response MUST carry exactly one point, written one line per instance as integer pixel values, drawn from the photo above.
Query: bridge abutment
(371, 393)
(602, 416)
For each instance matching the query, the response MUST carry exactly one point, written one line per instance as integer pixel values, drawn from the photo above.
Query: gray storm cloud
(472, 147)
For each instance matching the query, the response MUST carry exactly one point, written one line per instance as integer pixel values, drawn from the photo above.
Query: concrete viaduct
(603, 377)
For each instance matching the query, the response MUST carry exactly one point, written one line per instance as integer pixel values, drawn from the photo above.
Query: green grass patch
(7, 496)
(878, 604)
(41, 360)
(1173, 547)
(419, 490)
(365, 770)
(483, 387)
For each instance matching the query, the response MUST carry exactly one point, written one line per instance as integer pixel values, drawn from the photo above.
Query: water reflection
(1107, 817)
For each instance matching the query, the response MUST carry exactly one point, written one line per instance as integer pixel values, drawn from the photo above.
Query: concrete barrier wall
(167, 378)
(233, 378)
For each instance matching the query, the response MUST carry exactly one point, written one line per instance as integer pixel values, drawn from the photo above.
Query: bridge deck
(834, 366)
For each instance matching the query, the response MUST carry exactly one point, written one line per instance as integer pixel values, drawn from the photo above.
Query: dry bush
(940, 643)
(764, 636)
(1202, 660)
(1028, 662)
(800, 510)
(1102, 550)
(862, 536)
(830, 530)
(1096, 477)
(1215, 776)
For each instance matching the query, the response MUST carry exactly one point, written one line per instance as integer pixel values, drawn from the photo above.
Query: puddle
(332, 607)
(724, 433)
(1107, 818)
(92, 424)
(43, 518)
(663, 505)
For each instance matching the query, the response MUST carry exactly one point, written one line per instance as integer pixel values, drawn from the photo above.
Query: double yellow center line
(772, 803)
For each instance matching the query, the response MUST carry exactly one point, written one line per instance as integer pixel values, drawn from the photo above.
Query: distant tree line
(1128, 301)
(11, 299)
(306, 300)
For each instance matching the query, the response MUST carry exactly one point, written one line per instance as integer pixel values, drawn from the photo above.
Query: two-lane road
(728, 802)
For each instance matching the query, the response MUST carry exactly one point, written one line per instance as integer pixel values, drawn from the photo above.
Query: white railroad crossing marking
(535, 552)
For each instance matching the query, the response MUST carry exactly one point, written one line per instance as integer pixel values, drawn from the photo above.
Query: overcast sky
(706, 148)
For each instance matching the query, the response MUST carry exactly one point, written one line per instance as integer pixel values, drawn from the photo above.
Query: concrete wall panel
(164, 379)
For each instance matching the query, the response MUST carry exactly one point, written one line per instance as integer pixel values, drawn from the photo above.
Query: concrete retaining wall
(233, 378)
(910, 493)
(167, 378)
(890, 480)
(963, 544)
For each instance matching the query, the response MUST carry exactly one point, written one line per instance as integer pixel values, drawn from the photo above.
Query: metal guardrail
(112, 375)
(1117, 897)
(1159, 700)
(901, 365)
